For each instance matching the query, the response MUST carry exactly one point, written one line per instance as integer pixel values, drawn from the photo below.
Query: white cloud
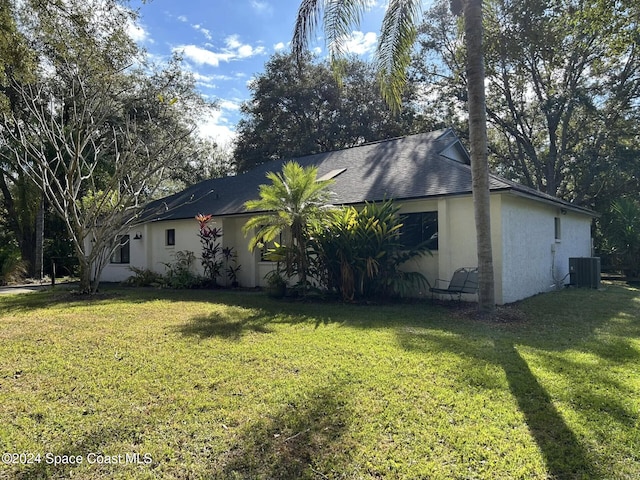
(242, 50)
(234, 50)
(245, 51)
(217, 126)
(206, 81)
(206, 32)
(137, 32)
(279, 46)
(198, 77)
(202, 56)
(182, 18)
(229, 105)
(262, 7)
(360, 43)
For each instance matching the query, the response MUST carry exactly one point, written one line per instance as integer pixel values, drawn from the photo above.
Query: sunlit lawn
(235, 385)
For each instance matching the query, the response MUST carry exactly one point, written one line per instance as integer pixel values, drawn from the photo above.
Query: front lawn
(174, 384)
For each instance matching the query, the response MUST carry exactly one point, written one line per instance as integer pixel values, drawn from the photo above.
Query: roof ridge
(441, 132)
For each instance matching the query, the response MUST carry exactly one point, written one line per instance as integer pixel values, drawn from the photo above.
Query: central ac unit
(584, 272)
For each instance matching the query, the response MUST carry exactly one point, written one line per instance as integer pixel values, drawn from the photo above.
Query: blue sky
(225, 43)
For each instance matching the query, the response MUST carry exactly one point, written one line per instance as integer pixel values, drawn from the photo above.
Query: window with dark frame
(122, 253)
(418, 228)
(264, 251)
(171, 237)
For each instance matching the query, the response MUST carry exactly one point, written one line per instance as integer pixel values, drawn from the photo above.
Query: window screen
(418, 228)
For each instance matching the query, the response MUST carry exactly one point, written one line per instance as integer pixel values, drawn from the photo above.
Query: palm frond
(397, 36)
(307, 19)
(340, 17)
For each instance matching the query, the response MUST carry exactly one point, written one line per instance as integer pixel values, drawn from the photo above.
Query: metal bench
(464, 280)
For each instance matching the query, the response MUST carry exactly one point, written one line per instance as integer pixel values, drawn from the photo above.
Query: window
(121, 253)
(266, 246)
(418, 228)
(557, 228)
(170, 236)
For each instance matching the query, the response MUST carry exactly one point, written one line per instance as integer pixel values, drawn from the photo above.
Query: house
(428, 175)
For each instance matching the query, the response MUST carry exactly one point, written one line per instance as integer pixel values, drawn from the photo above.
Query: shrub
(144, 278)
(622, 235)
(179, 273)
(13, 270)
(359, 253)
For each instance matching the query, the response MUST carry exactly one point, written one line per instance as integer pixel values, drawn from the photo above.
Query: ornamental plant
(232, 267)
(211, 259)
(295, 202)
(359, 253)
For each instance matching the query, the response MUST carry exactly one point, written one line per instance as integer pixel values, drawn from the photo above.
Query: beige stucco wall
(527, 258)
(457, 239)
(233, 237)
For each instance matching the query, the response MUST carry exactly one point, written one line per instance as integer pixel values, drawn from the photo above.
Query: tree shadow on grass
(597, 323)
(563, 453)
(223, 325)
(93, 442)
(233, 316)
(70, 298)
(301, 440)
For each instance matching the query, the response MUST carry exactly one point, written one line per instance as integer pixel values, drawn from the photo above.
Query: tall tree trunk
(39, 253)
(22, 230)
(84, 271)
(478, 143)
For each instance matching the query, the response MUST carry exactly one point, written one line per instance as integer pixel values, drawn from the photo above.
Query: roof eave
(556, 203)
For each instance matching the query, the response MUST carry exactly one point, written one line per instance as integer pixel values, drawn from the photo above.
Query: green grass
(229, 385)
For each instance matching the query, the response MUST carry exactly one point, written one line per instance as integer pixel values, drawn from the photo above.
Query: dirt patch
(502, 314)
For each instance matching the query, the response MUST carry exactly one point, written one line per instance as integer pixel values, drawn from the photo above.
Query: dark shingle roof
(415, 166)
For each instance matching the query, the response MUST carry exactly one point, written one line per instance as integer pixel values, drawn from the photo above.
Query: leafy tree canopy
(300, 109)
(98, 130)
(563, 91)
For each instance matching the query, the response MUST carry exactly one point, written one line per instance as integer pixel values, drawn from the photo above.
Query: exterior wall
(457, 237)
(117, 272)
(152, 252)
(248, 261)
(186, 240)
(527, 257)
(533, 260)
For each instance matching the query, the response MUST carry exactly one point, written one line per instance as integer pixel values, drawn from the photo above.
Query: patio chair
(464, 280)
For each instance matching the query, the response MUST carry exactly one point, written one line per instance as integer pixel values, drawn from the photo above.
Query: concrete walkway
(64, 283)
(15, 289)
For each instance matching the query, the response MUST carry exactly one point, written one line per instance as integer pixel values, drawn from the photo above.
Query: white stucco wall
(533, 260)
(152, 252)
(117, 272)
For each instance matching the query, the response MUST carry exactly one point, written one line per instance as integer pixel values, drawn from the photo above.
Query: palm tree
(623, 234)
(397, 36)
(295, 202)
